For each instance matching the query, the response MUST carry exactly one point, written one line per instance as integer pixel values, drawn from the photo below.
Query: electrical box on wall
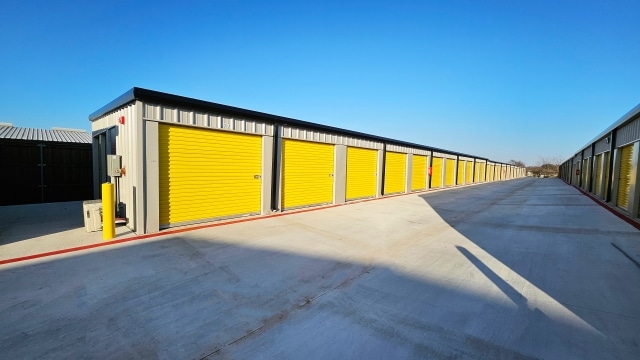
(114, 165)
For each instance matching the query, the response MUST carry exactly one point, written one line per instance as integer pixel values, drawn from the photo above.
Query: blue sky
(499, 79)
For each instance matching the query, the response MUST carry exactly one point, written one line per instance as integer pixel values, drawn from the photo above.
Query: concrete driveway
(520, 269)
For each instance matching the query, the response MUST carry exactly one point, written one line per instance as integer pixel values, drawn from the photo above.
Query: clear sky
(498, 79)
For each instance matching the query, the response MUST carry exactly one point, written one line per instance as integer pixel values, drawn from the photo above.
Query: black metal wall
(41, 172)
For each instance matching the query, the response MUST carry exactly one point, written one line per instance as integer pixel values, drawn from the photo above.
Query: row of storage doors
(208, 174)
(205, 174)
(600, 168)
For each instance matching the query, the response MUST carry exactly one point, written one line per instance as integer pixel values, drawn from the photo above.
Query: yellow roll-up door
(449, 179)
(362, 165)
(307, 173)
(469, 172)
(418, 172)
(460, 173)
(585, 173)
(483, 171)
(207, 174)
(605, 174)
(596, 186)
(436, 172)
(624, 183)
(395, 172)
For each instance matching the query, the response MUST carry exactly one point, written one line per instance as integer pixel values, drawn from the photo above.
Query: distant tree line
(546, 166)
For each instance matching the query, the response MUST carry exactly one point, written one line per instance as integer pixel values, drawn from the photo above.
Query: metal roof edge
(120, 101)
(630, 115)
(137, 93)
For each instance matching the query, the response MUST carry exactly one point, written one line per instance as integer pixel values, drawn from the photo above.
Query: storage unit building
(187, 161)
(44, 166)
(609, 165)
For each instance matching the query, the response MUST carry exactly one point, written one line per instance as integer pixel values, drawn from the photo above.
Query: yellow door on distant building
(450, 170)
(418, 172)
(596, 186)
(307, 173)
(624, 183)
(436, 172)
(395, 172)
(362, 167)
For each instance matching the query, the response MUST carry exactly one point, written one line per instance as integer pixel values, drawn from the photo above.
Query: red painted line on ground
(611, 209)
(209, 225)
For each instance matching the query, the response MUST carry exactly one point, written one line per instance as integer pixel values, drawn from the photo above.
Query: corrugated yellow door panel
(207, 174)
(418, 172)
(449, 179)
(624, 184)
(483, 172)
(436, 172)
(596, 186)
(307, 173)
(605, 174)
(460, 174)
(395, 172)
(362, 165)
(469, 172)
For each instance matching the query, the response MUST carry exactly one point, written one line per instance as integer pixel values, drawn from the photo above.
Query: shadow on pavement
(556, 240)
(187, 298)
(23, 222)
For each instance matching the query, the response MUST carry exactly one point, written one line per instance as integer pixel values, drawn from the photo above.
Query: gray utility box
(114, 164)
(92, 215)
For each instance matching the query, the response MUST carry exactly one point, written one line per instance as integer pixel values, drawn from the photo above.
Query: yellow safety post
(108, 212)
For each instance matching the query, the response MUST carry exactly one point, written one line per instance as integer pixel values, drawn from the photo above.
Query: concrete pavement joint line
(598, 310)
(210, 225)
(554, 229)
(273, 320)
(627, 255)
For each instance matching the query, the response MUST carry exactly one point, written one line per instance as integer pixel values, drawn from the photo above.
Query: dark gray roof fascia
(137, 93)
(629, 116)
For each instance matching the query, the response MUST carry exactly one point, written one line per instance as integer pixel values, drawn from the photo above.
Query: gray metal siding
(128, 141)
(602, 145)
(56, 135)
(289, 132)
(628, 133)
(207, 120)
(407, 150)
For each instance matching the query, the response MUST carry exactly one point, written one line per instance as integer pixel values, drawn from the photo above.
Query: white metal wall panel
(407, 150)
(127, 145)
(587, 152)
(444, 155)
(602, 145)
(169, 114)
(295, 133)
(628, 133)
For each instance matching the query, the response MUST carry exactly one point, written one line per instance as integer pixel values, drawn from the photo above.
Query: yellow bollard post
(108, 212)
